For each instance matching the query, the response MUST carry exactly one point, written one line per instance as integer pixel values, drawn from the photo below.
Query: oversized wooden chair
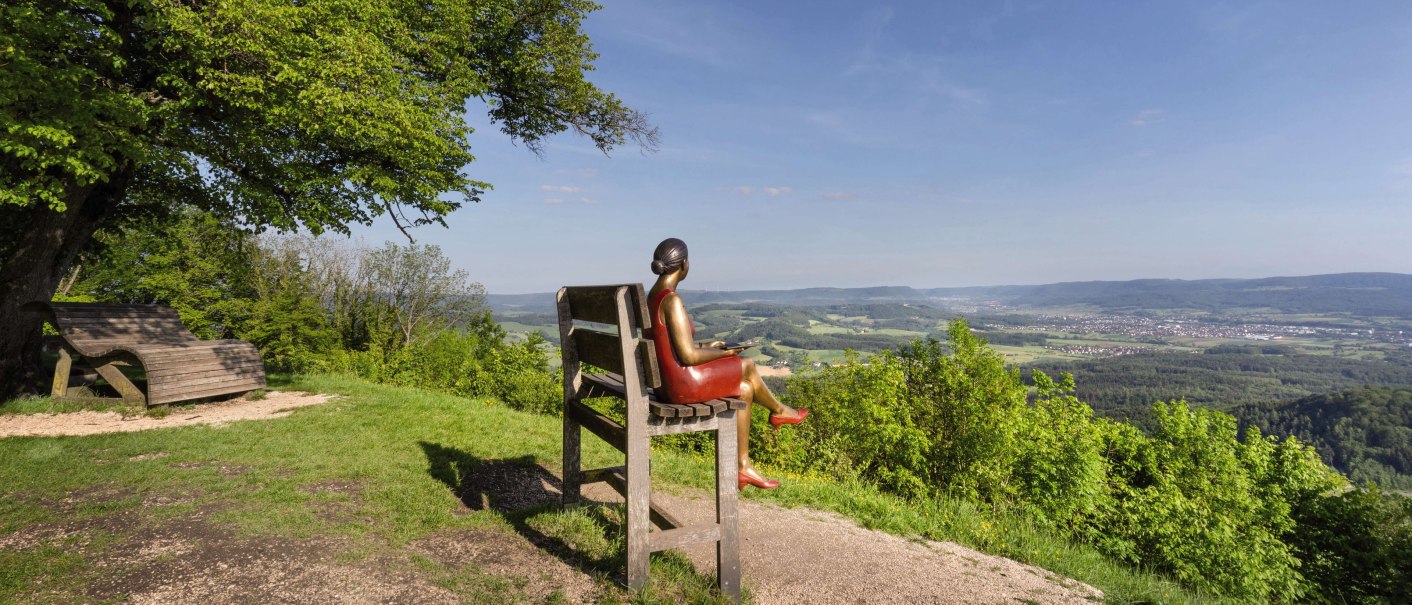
(618, 346)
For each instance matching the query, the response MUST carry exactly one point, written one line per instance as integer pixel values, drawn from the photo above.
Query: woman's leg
(762, 394)
(753, 391)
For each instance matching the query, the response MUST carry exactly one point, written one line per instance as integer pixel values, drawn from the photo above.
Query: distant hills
(1360, 294)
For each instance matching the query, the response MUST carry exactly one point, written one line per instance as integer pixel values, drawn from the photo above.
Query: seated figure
(693, 372)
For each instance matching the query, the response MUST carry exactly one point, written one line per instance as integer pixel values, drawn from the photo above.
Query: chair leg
(61, 373)
(117, 380)
(639, 506)
(573, 471)
(727, 501)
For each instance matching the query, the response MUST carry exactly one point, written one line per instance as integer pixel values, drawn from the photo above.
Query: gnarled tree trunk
(42, 250)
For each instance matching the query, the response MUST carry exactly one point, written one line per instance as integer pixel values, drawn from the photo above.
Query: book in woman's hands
(745, 344)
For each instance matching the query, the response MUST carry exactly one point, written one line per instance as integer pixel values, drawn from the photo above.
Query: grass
(384, 459)
(392, 461)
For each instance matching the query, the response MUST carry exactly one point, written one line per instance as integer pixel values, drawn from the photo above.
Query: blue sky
(949, 144)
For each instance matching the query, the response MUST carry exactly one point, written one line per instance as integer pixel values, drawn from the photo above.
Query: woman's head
(669, 256)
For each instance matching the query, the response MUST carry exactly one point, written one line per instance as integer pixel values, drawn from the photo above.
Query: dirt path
(276, 404)
(809, 556)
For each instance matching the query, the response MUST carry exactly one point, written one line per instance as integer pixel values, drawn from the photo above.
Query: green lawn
(383, 469)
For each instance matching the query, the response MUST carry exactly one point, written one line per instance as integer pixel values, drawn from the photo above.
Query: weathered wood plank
(199, 382)
(606, 429)
(195, 361)
(598, 349)
(727, 502)
(61, 373)
(681, 536)
(119, 381)
(659, 515)
(201, 371)
(159, 396)
(676, 426)
(597, 304)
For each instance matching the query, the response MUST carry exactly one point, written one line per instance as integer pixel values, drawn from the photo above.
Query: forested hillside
(1366, 432)
(1360, 294)
(1124, 386)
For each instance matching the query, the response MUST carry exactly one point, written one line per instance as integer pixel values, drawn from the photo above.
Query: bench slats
(612, 385)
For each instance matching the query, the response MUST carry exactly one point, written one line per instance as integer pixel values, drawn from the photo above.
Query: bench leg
(573, 470)
(639, 506)
(61, 373)
(727, 500)
(117, 380)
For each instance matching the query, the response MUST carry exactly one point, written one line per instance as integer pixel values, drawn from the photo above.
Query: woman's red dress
(691, 384)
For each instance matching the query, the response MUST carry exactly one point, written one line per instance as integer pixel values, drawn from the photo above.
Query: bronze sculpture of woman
(693, 372)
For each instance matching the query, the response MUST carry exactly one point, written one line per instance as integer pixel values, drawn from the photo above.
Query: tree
(277, 114)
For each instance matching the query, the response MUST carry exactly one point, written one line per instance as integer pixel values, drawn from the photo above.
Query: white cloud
(776, 191)
(560, 188)
(553, 200)
(587, 200)
(745, 190)
(1147, 116)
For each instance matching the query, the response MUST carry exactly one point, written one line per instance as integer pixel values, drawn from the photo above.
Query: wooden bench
(631, 365)
(178, 365)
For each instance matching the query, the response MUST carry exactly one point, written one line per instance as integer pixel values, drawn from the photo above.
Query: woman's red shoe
(760, 483)
(776, 421)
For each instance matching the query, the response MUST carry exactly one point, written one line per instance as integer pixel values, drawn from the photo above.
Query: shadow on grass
(521, 490)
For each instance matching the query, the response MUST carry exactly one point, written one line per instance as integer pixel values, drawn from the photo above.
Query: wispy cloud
(560, 188)
(776, 191)
(1147, 116)
(745, 190)
(553, 201)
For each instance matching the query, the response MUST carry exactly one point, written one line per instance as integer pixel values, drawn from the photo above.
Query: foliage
(265, 114)
(1206, 506)
(1365, 432)
(316, 113)
(924, 420)
(1127, 385)
(1219, 510)
(476, 361)
(1356, 546)
(188, 260)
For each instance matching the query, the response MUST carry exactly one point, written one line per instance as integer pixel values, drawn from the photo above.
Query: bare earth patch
(276, 404)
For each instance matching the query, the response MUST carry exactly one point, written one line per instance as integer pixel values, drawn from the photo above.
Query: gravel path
(275, 404)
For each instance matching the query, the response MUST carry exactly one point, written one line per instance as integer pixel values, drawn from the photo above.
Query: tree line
(393, 313)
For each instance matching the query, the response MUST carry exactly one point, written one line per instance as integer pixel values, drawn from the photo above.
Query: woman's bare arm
(679, 329)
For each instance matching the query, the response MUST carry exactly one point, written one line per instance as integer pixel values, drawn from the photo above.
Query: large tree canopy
(273, 113)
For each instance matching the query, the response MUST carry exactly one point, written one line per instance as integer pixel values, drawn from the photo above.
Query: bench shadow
(520, 489)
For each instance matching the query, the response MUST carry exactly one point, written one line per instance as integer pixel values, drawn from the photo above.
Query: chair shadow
(520, 489)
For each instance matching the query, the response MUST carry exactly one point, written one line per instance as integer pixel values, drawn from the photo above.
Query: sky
(941, 144)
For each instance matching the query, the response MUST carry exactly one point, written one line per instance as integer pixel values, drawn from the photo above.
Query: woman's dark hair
(669, 256)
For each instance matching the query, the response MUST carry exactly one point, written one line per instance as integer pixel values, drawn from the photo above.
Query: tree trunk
(44, 250)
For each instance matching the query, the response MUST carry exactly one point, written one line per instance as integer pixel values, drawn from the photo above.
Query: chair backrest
(621, 314)
(100, 325)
